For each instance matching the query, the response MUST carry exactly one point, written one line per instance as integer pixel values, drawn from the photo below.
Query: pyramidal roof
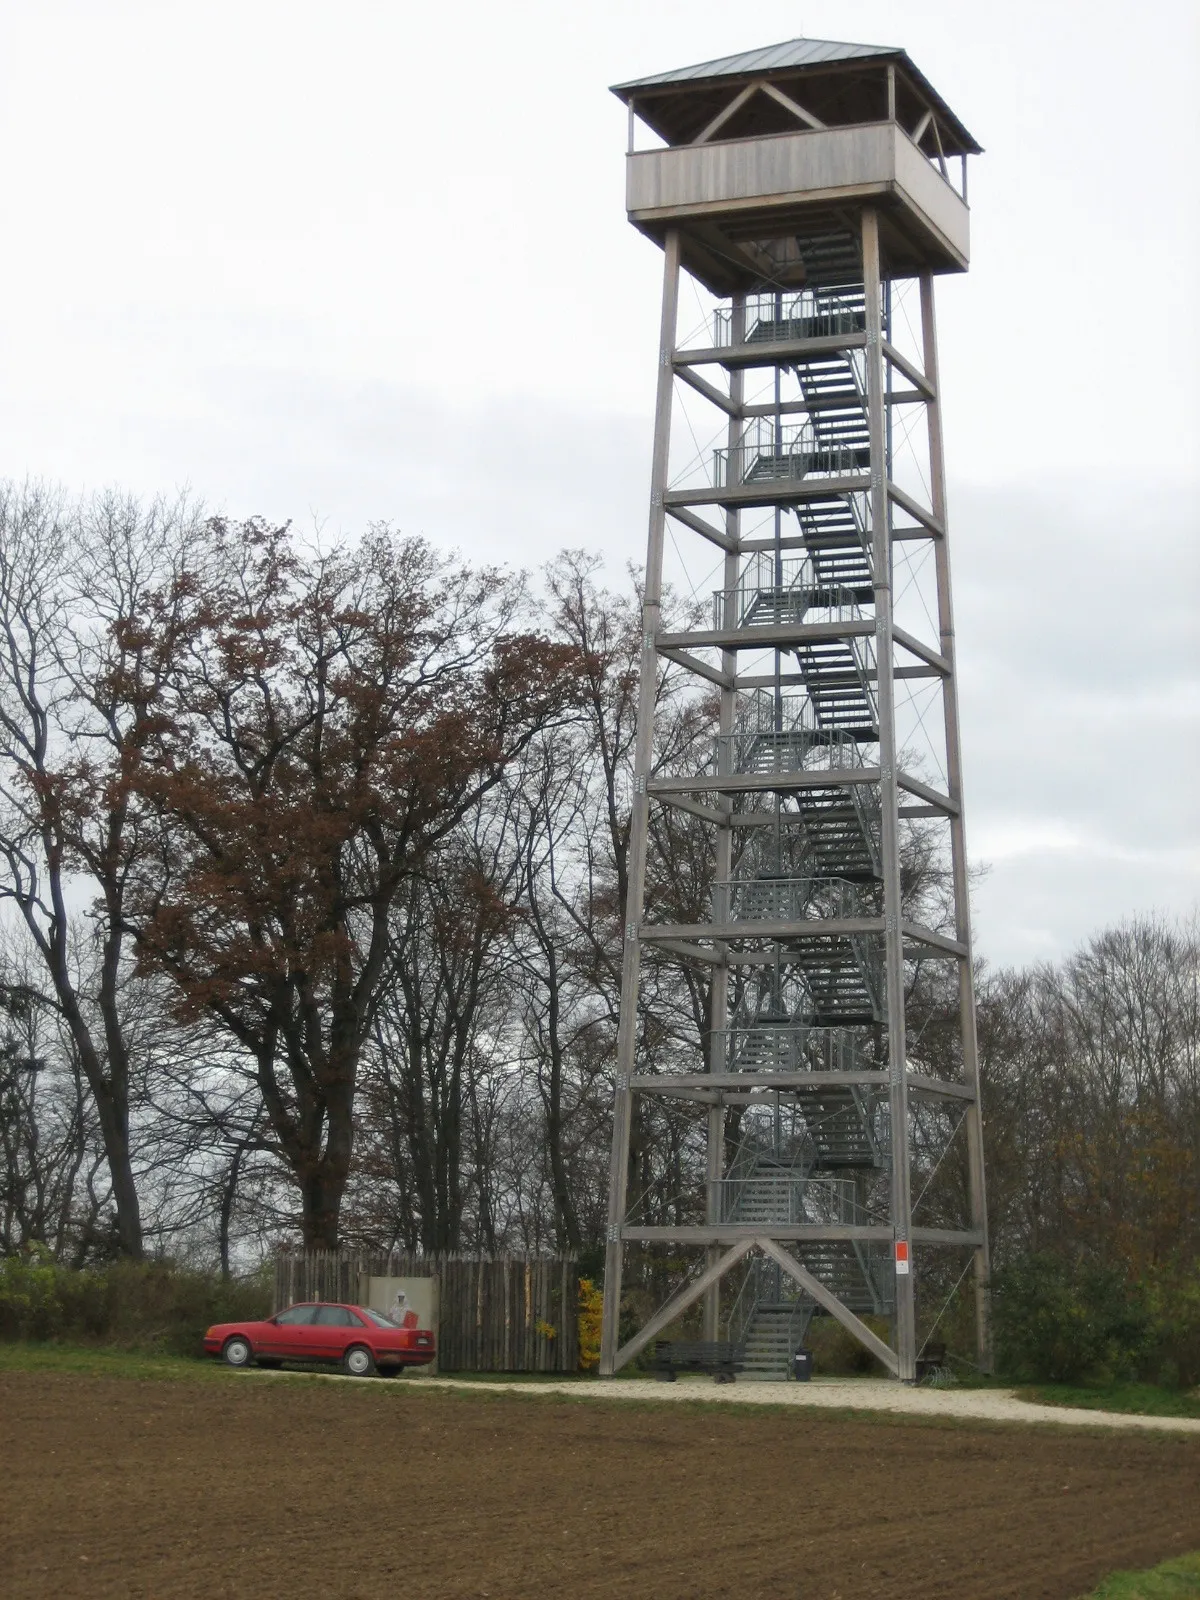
(670, 102)
(768, 58)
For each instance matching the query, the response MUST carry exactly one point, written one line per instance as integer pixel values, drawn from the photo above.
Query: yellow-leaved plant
(591, 1304)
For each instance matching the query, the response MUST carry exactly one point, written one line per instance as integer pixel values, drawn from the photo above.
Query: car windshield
(377, 1317)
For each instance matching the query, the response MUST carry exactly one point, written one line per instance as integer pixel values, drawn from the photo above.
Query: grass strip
(1141, 1399)
(94, 1361)
(1174, 1580)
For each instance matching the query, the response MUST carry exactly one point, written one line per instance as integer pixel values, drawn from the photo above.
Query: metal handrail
(791, 1197)
(795, 749)
(750, 463)
(769, 592)
(795, 314)
(793, 1047)
(787, 899)
(782, 734)
(742, 1315)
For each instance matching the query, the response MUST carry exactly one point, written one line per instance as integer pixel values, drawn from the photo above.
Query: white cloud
(371, 261)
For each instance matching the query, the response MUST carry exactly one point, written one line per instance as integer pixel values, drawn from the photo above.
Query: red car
(361, 1340)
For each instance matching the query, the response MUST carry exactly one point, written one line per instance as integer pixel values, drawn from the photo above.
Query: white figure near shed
(409, 1302)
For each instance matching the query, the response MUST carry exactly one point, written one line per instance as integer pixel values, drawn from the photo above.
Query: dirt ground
(257, 1487)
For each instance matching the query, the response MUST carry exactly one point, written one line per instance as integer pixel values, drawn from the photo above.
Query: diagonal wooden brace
(680, 1301)
(832, 1304)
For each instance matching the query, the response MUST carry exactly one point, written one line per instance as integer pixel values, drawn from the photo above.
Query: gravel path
(859, 1394)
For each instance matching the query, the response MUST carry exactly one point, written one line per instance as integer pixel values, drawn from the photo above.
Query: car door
(290, 1336)
(334, 1327)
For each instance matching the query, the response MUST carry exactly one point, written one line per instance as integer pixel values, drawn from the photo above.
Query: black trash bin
(802, 1366)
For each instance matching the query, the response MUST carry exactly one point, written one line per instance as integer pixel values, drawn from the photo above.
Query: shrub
(1173, 1295)
(837, 1353)
(134, 1305)
(1064, 1321)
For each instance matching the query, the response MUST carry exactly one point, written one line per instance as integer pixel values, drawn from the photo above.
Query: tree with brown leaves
(323, 721)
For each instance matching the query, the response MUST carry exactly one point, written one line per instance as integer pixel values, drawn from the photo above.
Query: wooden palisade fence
(496, 1313)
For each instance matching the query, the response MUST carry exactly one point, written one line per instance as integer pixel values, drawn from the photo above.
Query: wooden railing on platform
(496, 1313)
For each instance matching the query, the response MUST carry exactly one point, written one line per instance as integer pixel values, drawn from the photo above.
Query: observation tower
(805, 198)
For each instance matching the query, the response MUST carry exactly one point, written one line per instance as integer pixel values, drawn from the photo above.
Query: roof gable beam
(722, 117)
(797, 110)
(759, 86)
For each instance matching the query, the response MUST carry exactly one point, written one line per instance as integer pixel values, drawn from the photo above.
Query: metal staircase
(846, 1269)
(840, 1124)
(801, 1168)
(831, 382)
(837, 675)
(773, 1335)
(844, 979)
(836, 541)
(822, 1008)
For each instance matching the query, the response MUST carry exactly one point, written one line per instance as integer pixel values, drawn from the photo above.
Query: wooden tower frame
(803, 186)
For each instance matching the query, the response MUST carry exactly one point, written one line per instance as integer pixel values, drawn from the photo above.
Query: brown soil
(265, 1487)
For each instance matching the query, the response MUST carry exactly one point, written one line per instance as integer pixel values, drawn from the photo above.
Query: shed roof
(659, 97)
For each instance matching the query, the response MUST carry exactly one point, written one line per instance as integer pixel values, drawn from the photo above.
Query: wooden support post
(618, 1174)
(893, 938)
(958, 840)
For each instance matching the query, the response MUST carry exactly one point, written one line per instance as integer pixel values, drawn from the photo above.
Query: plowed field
(258, 1486)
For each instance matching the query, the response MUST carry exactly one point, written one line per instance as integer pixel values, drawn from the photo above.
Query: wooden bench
(718, 1356)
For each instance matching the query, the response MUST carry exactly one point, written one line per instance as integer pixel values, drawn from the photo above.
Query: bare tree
(1092, 1099)
(70, 728)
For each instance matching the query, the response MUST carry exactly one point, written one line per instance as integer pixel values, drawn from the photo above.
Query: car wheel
(237, 1351)
(358, 1362)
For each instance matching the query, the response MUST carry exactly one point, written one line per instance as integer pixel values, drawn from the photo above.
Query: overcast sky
(348, 261)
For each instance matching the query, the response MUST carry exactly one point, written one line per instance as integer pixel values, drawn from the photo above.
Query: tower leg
(958, 843)
(618, 1175)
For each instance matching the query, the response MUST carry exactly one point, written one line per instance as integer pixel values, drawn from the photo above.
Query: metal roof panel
(768, 58)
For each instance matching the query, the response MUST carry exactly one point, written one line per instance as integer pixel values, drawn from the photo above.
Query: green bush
(1173, 1295)
(132, 1305)
(1065, 1321)
(837, 1353)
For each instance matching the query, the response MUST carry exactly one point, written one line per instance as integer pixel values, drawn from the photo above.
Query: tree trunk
(566, 1217)
(112, 1107)
(321, 1203)
(228, 1196)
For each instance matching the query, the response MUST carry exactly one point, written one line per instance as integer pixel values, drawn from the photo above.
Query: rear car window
(378, 1318)
(335, 1317)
